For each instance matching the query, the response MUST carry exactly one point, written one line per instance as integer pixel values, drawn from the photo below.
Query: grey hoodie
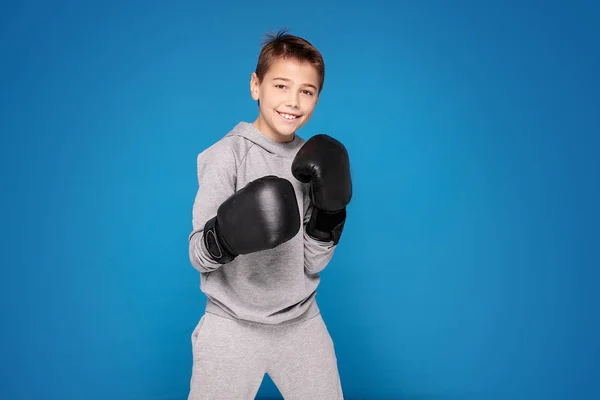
(272, 286)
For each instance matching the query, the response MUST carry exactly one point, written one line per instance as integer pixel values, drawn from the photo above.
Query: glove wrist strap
(326, 226)
(215, 244)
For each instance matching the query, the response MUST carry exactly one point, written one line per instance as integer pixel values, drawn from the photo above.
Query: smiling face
(287, 98)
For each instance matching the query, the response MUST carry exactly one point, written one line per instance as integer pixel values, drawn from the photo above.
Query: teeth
(288, 116)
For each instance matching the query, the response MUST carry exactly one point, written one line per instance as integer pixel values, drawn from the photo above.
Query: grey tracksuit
(261, 313)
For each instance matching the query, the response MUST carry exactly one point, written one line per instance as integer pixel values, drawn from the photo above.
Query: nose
(292, 100)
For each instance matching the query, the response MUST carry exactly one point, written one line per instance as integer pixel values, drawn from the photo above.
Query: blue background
(469, 264)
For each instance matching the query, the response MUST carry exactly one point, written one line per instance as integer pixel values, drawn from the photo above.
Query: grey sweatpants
(230, 359)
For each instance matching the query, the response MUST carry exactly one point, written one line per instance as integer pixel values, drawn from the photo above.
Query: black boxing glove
(262, 215)
(324, 163)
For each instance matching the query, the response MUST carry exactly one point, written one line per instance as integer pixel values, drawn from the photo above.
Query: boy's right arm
(216, 169)
(230, 221)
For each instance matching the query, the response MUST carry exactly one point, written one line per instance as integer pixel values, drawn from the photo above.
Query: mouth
(288, 116)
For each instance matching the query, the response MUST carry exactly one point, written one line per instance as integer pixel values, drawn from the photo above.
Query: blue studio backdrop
(469, 264)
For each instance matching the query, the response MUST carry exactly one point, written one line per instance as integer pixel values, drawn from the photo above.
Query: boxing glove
(262, 215)
(323, 163)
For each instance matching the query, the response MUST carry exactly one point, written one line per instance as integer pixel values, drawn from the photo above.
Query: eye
(280, 86)
(308, 92)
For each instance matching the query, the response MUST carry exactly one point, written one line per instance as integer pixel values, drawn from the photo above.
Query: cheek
(270, 97)
(309, 104)
(266, 100)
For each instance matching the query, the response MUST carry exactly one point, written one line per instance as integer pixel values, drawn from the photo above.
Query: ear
(254, 86)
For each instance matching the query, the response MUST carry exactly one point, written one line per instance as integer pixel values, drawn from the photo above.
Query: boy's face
(288, 95)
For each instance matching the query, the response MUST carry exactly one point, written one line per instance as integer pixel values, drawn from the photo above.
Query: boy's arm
(323, 163)
(216, 170)
(229, 221)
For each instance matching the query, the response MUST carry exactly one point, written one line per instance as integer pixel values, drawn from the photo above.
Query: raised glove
(324, 163)
(262, 215)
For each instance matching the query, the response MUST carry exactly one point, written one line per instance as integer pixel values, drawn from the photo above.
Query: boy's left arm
(323, 163)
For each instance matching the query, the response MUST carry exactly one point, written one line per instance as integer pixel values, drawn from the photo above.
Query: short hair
(287, 46)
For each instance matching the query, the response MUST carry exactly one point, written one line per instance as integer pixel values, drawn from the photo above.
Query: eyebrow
(289, 80)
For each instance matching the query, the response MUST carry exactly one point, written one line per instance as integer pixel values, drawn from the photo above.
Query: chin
(286, 130)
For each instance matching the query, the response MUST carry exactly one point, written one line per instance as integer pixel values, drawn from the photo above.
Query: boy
(267, 217)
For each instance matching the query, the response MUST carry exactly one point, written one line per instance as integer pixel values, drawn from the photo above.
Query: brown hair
(285, 45)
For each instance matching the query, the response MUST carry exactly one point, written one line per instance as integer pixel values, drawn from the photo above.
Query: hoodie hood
(249, 132)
